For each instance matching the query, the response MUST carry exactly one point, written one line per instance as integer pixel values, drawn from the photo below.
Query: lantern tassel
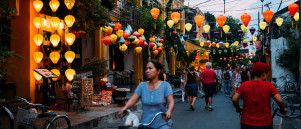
(279, 31)
(268, 30)
(221, 33)
(188, 36)
(292, 23)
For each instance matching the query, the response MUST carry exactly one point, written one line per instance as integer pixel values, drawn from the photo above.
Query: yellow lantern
(245, 40)
(69, 19)
(113, 38)
(57, 73)
(254, 39)
(188, 26)
(227, 45)
(37, 76)
(38, 5)
(141, 31)
(279, 21)
(170, 23)
(54, 5)
(69, 3)
(38, 22)
(155, 47)
(202, 44)
(152, 39)
(161, 44)
(70, 38)
(226, 28)
(236, 43)
(119, 33)
(70, 74)
(123, 47)
(55, 22)
(243, 28)
(37, 56)
(138, 50)
(54, 57)
(296, 16)
(69, 55)
(262, 25)
(206, 28)
(54, 39)
(38, 39)
(217, 45)
(136, 41)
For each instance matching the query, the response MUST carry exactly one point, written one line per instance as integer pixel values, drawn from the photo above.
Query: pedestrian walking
(218, 72)
(256, 111)
(162, 76)
(208, 78)
(227, 80)
(236, 79)
(245, 75)
(183, 75)
(191, 84)
(156, 96)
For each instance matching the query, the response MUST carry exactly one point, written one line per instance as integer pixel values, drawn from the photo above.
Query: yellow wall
(138, 68)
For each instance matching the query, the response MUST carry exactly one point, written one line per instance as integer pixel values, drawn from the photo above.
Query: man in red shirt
(207, 77)
(256, 111)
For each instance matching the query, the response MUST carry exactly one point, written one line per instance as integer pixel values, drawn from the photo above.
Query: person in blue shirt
(156, 96)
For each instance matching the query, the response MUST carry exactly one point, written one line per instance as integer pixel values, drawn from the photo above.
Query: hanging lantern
(106, 40)
(296, 16)
(252, 53)
(221, 20)
(225, 51)
(118, 26)
(214, 51)
(213, 44)
(54, 5)
(262, 25)
(198, 19)
(55, 22)
(268, 15)
(69, 19)
(119, 33)
(236, 43)
(161, 41)
(220, 51)
(252, 30)
(38, 5)
(217, 45)
(170, 23)
(38, 22)
(279, 21)
(69, 55)
(145, 44)
(113, 38)
(70, 38)
(208, 51)
(188, 26)
(216, 34)
(57, 73)
(55, 57)
(38, 39)
(38, 56)
(226, 28)
(121, 40)
(195, 33)
(126, 35)
(243, 28)
(185, 37)
(293, 8)
(239, 32)
(112, 25)
(131, 38)
(152, 44)
(155, 52)
(245, 18)
(208, 43)
(141, 31)
(204, 34)
(229, 34)
(54, 39)
(175, 16)
(227, 45)
(202, 44)
(136, 41)
(136, 34)
(245, 43)
(110, 30)
(159, 49)
(225, 58)
(174, 33)
(152, 39)
(70, 74)
(69, 4)
(138, 50)
(254, 39)
(206, 28)
(155, 13)
(123, 47)
(37, 76)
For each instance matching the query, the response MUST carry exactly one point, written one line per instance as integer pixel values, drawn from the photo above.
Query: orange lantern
(293, 8)
(155, 13)
(155, 52)
(245, 18)
(175, 17)
(268, 15)
(118, 26)
(221, 20)
(106, 40)
(199, 20)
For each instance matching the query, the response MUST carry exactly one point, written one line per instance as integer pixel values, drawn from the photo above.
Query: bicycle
(292, 103)
(6, 118)
(285, 83)
(28, 118)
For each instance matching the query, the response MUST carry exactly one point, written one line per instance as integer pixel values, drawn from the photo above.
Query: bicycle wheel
(59, 122)
(275, 106)
(6, 118)
(293, 105)
(290, 87)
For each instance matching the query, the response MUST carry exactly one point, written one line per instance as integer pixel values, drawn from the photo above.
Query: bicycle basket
(26, 117)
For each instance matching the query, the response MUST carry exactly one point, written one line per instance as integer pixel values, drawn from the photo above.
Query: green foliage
(98, 66)
(89, 14)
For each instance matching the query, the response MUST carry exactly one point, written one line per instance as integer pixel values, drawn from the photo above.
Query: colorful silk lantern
(279, 21)
(70, 38)
(220, 51)
(38, 22)
(141, 31)
(54, 57)
(195, 33)
(54, 5)
(126, 35)
(170, 23)
(161, 41)
(113, 38)
(239, 32)
(123, 47)
(159, 49)
(245, 43)
(37, 76)
(119, 33)
(252, 30)
(204, 34)
(38, 56)
(243, 28)
(138, 50)
(55, 21)
(221, 20)
(38, 39)
(254, 39)
(152, 44)
(69, 55)
(296, 16)
(54, 39)
(198, 19)
(227, 45)
(236, 43)
(69, 19)
(118, 26)
(268, 15)
(155, 52)
(206, 28)
(136, 41)
(188, 27)
(196, 40)
(112, 25)
(293, 8)
(229, 34)
(174, 33)
(69, 4)
(136, 34)
(155, 13)
(38, 5)
(213, 44)
(110, 30)
(217, 45)
(262, 25)
(226, 28)
(175, 16)
(216, 34)
(245, 18)
(121, 40)
(131, 38)
(106, 40)
(70, 74)
(202, 44)
(57, 73)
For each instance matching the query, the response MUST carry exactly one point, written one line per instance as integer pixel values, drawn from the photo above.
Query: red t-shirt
(257, 102)
(208, 76)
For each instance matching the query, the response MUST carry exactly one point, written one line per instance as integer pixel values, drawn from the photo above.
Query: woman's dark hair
(158, 66)
(191, 68)
(185, 70)
(257, 74)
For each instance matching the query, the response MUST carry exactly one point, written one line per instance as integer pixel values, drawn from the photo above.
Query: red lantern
(159, 49)
(155, 52)
(141, 39)
(145, 44)
(118, 26)
(268, 15)
(127, 42)
(221, 20)
(213, 44)
(245, 44)
(174, 33)
(161, 40)
(136, 34)
(155, 13)
(125, 35)
(293, 8)
(152, 44)
(196, 58)
(106, 40)
(245, 18)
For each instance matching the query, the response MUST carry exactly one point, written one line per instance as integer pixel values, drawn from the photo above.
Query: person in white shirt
(219, 73)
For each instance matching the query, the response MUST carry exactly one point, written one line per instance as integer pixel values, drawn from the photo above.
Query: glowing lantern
(110, 30)
(206, 28)
(198, 19)
(136, 34)
(57, 73)
(54, 5)
(170, 23)
(38, 5)
(293, 8)
(254, 39)
(196, 58)
(136, 41)
(70, 38)
(55, 57)
(37, 56)
(220, 58)
(226, 28)
(54, 39)
(131, 38)
(225, 58)
(279, 21)
(119, 33)
(175, 16)
(221, 20)
(296, 16)
(69, 3)
(69, 55)
(159, 49)
(113, 38)
(70, 74)
(106, 40)
(213, 44)
(161, 41)
(208, 43)
(243, 28)
(196, 40)
(141, 31)
(155, 52)
(268, 15)
(152, 44)
(37, 76)
(38, 39)
(245, 18)
(262, 25)
(227, 45)
(123, 47)
(202, 44)
(152, 39)
(188, 26)
(155, 13)
(252, 53)
(55, 22)
(69, 19)
(138, 50)
(118, 26)
(38, 22)
(126, 35)
(217, 45)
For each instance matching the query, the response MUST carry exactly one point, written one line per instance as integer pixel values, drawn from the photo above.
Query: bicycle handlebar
(31, 104)
(159, 113)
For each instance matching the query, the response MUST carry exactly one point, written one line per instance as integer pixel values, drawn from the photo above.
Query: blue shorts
(192, 90)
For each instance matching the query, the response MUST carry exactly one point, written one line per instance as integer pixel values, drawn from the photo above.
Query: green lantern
(196, 63)
(199, 50)
(213, 52)
(225, 51)
(219, 51)
(208, 51)
(202, 52)
(232, 50)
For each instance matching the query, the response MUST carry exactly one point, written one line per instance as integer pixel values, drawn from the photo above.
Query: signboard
(45, 73)
(244, 50)
(87, 74)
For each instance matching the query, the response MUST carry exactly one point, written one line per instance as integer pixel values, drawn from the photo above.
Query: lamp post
(261, 6)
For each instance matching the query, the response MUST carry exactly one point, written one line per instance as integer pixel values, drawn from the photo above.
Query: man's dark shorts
(209, 90)
(192, 90)
(244, 126)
